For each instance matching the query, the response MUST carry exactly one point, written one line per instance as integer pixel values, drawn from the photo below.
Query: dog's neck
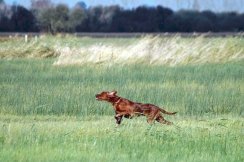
(114, 100)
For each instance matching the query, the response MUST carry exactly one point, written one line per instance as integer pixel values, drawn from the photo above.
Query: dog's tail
(166, 112)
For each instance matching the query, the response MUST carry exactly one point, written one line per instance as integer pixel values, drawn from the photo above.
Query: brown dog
(128, 109)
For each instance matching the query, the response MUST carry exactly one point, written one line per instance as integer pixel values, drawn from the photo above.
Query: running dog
(128, 109)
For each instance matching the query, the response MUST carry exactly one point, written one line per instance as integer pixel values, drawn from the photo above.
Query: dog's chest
(123, 106)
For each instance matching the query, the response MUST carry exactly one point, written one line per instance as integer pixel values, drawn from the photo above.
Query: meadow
(48, 112)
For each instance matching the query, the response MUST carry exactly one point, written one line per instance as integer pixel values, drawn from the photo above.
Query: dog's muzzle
(97, 97)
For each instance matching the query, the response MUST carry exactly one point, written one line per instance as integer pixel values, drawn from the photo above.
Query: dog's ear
(112, 93)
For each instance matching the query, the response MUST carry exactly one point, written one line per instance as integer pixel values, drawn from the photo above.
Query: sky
(214, 5)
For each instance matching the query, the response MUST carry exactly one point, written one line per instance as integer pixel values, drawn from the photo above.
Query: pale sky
(214, 5)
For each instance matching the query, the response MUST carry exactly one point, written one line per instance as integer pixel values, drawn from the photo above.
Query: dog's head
(106, 96)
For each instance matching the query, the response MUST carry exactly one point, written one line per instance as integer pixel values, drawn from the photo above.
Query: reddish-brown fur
(128, 109)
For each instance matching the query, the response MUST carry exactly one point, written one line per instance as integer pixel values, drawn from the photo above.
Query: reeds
(156, 50)
(148, 50)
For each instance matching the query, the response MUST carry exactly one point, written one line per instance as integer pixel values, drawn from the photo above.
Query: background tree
(212, 18)
(41, 4)
(228, 22)
(61, 18)
(5, 24)
(55, 19)
(37, 8)
(241, 22)
(162, 14)
(77, 16)
(5, 15)
(81, 5)
(46, 20)
(22, 20)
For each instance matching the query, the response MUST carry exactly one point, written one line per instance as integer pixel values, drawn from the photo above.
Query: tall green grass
(35, 87)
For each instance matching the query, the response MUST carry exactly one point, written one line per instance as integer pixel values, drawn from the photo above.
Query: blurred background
(58, 16)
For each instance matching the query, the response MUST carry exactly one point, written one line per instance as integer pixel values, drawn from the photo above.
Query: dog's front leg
(118, 118)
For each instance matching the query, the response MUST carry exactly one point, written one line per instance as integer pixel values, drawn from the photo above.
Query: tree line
(61, 18)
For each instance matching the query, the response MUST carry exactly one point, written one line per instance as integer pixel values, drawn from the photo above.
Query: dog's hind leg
(151, 118)
(160, 119)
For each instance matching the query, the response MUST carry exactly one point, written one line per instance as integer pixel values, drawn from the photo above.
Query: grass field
(49, 113)
(49, 138)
